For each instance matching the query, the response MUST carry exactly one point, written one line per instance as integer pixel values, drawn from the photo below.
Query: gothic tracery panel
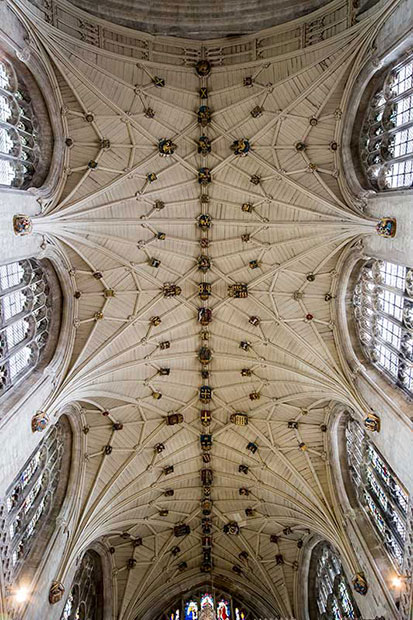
(19, 135)
(386, 142)
(379, 492)
(24, 319)
(329, 590)
(33, 501)
(85, 599)
(383, 308)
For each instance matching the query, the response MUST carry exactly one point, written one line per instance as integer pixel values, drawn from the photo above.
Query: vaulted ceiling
(198, 19)
(284, 246)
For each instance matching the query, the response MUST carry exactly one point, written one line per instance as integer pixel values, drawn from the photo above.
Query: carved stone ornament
(203, 68)
(182, 530)
(22, 225)
(372, 422)
(241, 147)
(166, 147)
(174, 418)
(39, 421)
(360, 584)
(204, 115)
(386, 227)
(231, 528)
(56, 592)
(239, 419)
(204, 176)
(204, 145)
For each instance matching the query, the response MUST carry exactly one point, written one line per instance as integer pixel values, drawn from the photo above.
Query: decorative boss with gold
(166, 147)
(241, 147)
(372, 422)
(386, 227)
(22, 225)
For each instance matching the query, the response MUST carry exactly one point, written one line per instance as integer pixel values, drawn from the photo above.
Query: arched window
(387, 133)
(378, 491)
(24, 319)
(383, 308)
(33, 502)
(19, 139)
(205, 603)
(85, 601)
(329, 591)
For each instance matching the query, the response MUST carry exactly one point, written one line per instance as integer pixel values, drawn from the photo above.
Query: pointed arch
(32, 504)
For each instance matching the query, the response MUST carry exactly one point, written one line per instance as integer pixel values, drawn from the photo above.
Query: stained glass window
(191, 610)
(34, 499)
(201, 604)
(207, 599)
(223, 610)
(333, 595)
(386, 142)
(19, 148)
(383, 308)
(379, 491)
(24, 319)
(86, 596)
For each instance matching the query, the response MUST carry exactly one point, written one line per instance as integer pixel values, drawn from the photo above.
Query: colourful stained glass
(336, 611)
(239, 614)
(68, 607)
(377, 518)
(207, 599)
(191, 611)
(377, 489)
(345, 601)
(174, 615)
(223, 610)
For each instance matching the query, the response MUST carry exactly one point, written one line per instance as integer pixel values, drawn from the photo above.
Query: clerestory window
(33, 501)
(383, 308)
(24, 319)
(85, 599)
(379, 492)
(333, 596)
(19, 135)
(386, 143)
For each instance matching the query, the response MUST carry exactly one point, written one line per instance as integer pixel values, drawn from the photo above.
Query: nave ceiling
(286, 246)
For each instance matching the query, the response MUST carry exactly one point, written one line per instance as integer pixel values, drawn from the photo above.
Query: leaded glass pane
(16, 115)
(386, 141)
(11, 275)
(83, 600)
(24, 319)
(383, 309)
(30, 499)
(379, 492)
(332, 592)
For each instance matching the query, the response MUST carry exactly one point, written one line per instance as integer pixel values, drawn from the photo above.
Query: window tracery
(379, 492)
(34, 499)
(19, 138)
(334, 600)
(85, 599)
(386, 142)
(24, 319)
(205, 604)
(383, 308)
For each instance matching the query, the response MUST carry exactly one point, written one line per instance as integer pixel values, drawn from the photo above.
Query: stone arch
(359, 367)
(38, 78)
(32, 506)
(392, 43)
(364, 537)
(57, 350)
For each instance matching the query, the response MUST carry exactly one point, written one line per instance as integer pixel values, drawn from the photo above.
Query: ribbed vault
(108, 219)
(201, 20)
